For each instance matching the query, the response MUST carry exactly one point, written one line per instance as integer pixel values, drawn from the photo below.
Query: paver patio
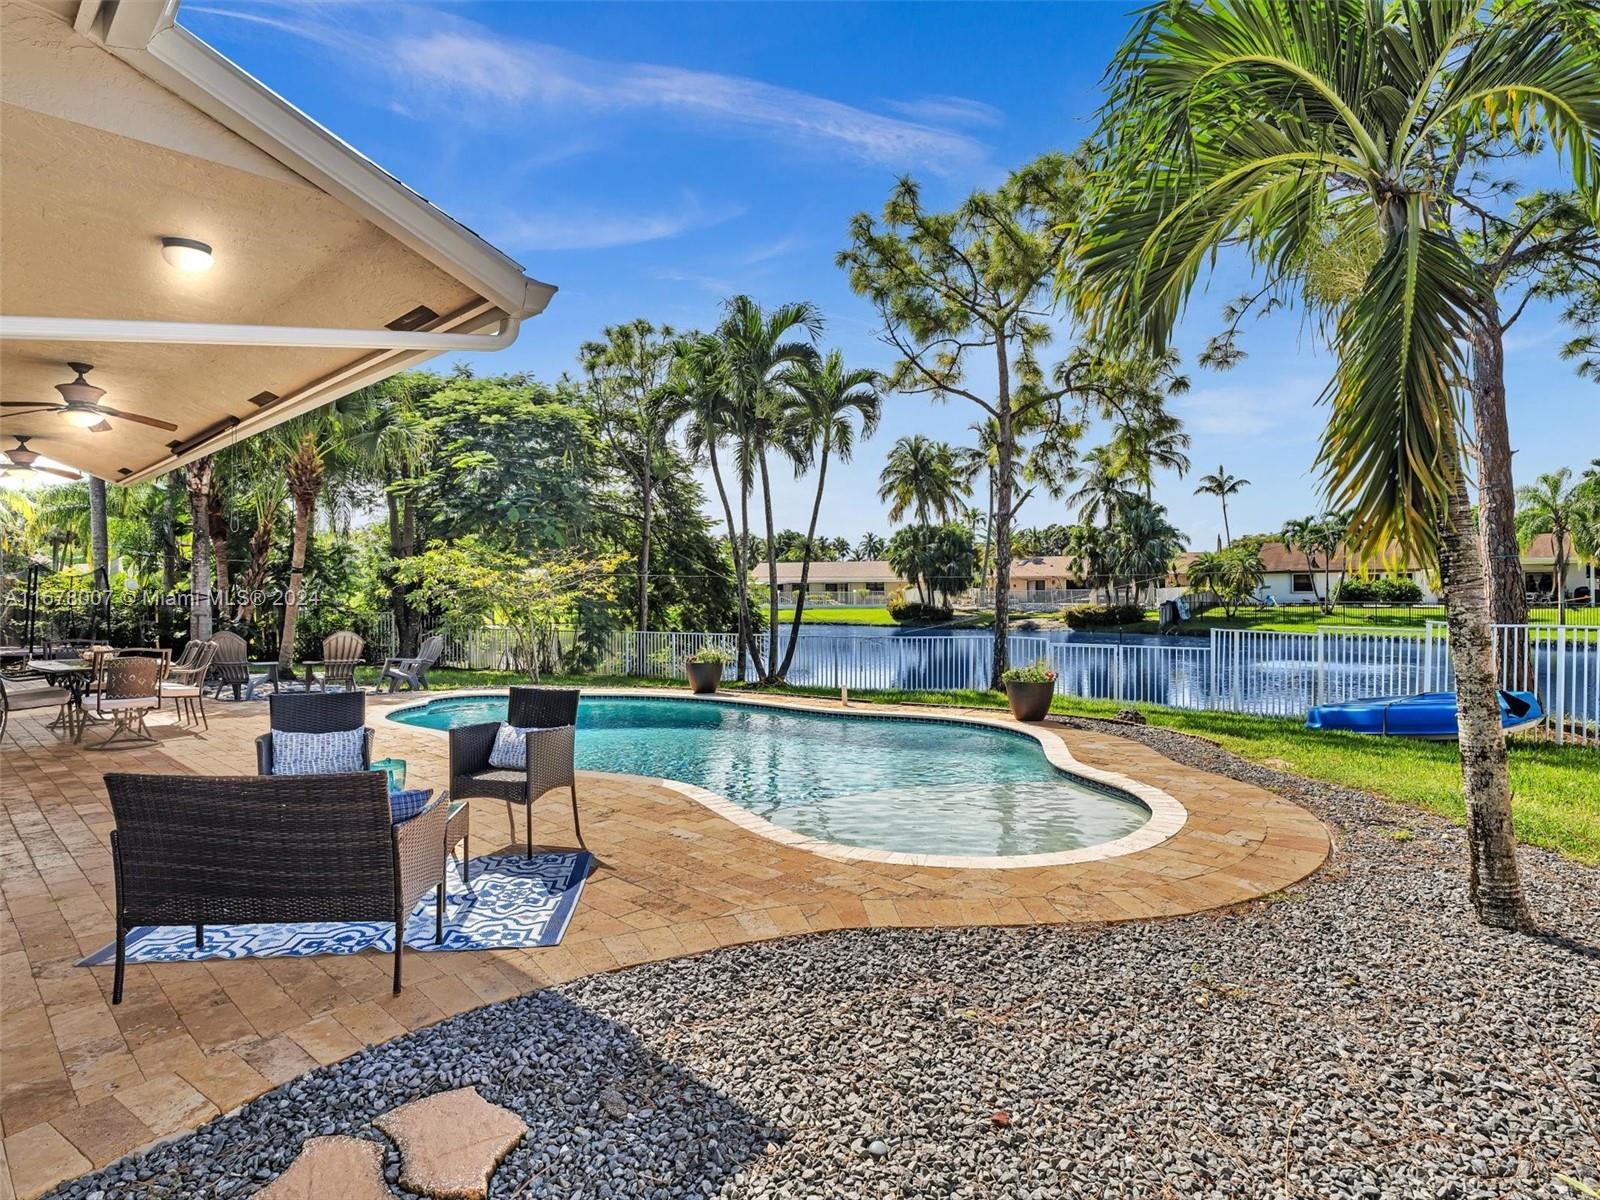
(82, 1083)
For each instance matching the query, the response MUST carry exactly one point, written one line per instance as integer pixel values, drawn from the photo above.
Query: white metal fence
(1237, 670)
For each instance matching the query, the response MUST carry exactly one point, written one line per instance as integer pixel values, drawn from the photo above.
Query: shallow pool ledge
(1167, 815)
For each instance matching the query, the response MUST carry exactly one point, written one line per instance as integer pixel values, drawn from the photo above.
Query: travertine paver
(332, 1168)
(451, 1143)
(191, 1040)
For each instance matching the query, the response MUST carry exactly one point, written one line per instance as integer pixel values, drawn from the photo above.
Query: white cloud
(589, 230)
(948, 110)
(446, 59)
(1249, 411)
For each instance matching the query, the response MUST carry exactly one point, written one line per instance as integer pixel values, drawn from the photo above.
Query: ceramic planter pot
(1030, 701)
(703, 676)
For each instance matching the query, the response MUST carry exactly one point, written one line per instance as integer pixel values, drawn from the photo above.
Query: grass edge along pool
(904, 784)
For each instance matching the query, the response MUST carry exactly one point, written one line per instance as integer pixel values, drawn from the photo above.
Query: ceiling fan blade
(58, 471)
(127, 416)
(103, 427)
(31, 405)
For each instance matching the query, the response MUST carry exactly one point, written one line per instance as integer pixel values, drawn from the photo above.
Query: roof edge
(144, 34)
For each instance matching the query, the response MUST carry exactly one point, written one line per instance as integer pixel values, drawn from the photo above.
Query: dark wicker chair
(233, 850)
(314, 712)
(552, 713)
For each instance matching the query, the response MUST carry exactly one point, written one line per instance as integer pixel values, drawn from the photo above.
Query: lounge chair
(313, 712)
(550, 715)
(413, 672)
(230, 666)
(341, 655)
(130, 689)
(185, 684)
(237, 850)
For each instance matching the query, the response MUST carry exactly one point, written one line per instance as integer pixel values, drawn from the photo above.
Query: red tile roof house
(1289, 581)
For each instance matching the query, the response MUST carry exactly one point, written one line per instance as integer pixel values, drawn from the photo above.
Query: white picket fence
(1560, 664)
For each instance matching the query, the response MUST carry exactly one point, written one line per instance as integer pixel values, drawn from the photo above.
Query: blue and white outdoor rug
(514, 903)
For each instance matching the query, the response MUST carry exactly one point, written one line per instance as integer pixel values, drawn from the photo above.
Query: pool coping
(1167, 815)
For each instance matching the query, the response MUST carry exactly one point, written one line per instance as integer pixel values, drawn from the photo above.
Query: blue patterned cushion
(407, 804)
(510, 752)
(317, 753)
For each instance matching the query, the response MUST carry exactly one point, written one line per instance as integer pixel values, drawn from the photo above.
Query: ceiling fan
(81, 405)
(20, 459)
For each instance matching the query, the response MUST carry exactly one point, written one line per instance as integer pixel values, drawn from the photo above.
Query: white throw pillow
(510, 752)
(337, 753)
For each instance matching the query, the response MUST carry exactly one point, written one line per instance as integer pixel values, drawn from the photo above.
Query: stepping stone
(451, 1143)
(346, 1167)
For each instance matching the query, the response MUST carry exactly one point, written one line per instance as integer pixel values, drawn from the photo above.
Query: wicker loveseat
(552, 716)
(230, 850)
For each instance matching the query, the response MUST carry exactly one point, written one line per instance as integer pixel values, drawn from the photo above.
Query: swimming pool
(905, 785)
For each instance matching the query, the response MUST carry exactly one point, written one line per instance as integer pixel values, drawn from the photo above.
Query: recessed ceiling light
(186, 254)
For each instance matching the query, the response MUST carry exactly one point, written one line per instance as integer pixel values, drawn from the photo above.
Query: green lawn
(1553, 787)
(827, 615)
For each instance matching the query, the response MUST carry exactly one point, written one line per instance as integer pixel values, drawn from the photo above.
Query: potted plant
(704, 668)
(1029, 690)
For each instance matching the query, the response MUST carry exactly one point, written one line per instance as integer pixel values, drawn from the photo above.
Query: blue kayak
(1430, 715)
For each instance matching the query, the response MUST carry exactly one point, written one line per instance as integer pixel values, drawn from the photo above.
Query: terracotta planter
(703, 676)
(1030, 701)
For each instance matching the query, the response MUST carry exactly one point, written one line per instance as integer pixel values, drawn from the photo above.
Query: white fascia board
(192, 70)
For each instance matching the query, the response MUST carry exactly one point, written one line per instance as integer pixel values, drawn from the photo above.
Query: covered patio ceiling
(120, 128)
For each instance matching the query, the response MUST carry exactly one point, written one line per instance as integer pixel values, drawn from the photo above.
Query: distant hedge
(1090, 616)
(910, 610)
(1382, 589)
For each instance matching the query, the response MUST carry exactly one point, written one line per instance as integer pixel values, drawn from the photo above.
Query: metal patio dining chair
(185, 684)
(130, 689)
(23, 699)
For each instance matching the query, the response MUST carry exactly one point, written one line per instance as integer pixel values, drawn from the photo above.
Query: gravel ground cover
(1359, 1036)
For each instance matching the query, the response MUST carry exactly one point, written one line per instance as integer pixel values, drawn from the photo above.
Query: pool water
(907, 785)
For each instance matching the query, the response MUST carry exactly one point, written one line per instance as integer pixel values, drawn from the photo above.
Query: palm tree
(1222, 485)
(831, 398)
(305, 445)
(869, 548)
(1300, 534)
(99, 551)
(389, 441)
(1142, 543)
(1155, 442)
(759, 349)
(1259, 124)
(1104, 488)
(925, 478)
(1553, 505)
(627, 378)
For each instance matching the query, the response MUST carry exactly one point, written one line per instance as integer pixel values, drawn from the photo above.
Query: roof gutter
(196, 333)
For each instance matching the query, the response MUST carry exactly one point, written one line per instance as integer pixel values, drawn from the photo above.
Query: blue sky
(652, 159)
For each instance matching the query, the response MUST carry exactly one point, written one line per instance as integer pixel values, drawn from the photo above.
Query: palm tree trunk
(197, 481)
(1227, 535)
(1508, 601)
(303, 509)
(772, 574)
(741, 579)
(644, 544)
(99, 554)
(746, 615)
(1002, 523)
(1495, 885)
(805, 563)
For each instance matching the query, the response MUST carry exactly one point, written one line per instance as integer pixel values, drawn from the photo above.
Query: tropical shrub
(904, 610)
(1092, 616)
(1381, 589)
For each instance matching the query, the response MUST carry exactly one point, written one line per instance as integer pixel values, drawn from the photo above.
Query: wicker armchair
(341, 655)
(130, 689)
(552, 713)
(185, 684)
(315, 712)
(230, 666)
(233, 850)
